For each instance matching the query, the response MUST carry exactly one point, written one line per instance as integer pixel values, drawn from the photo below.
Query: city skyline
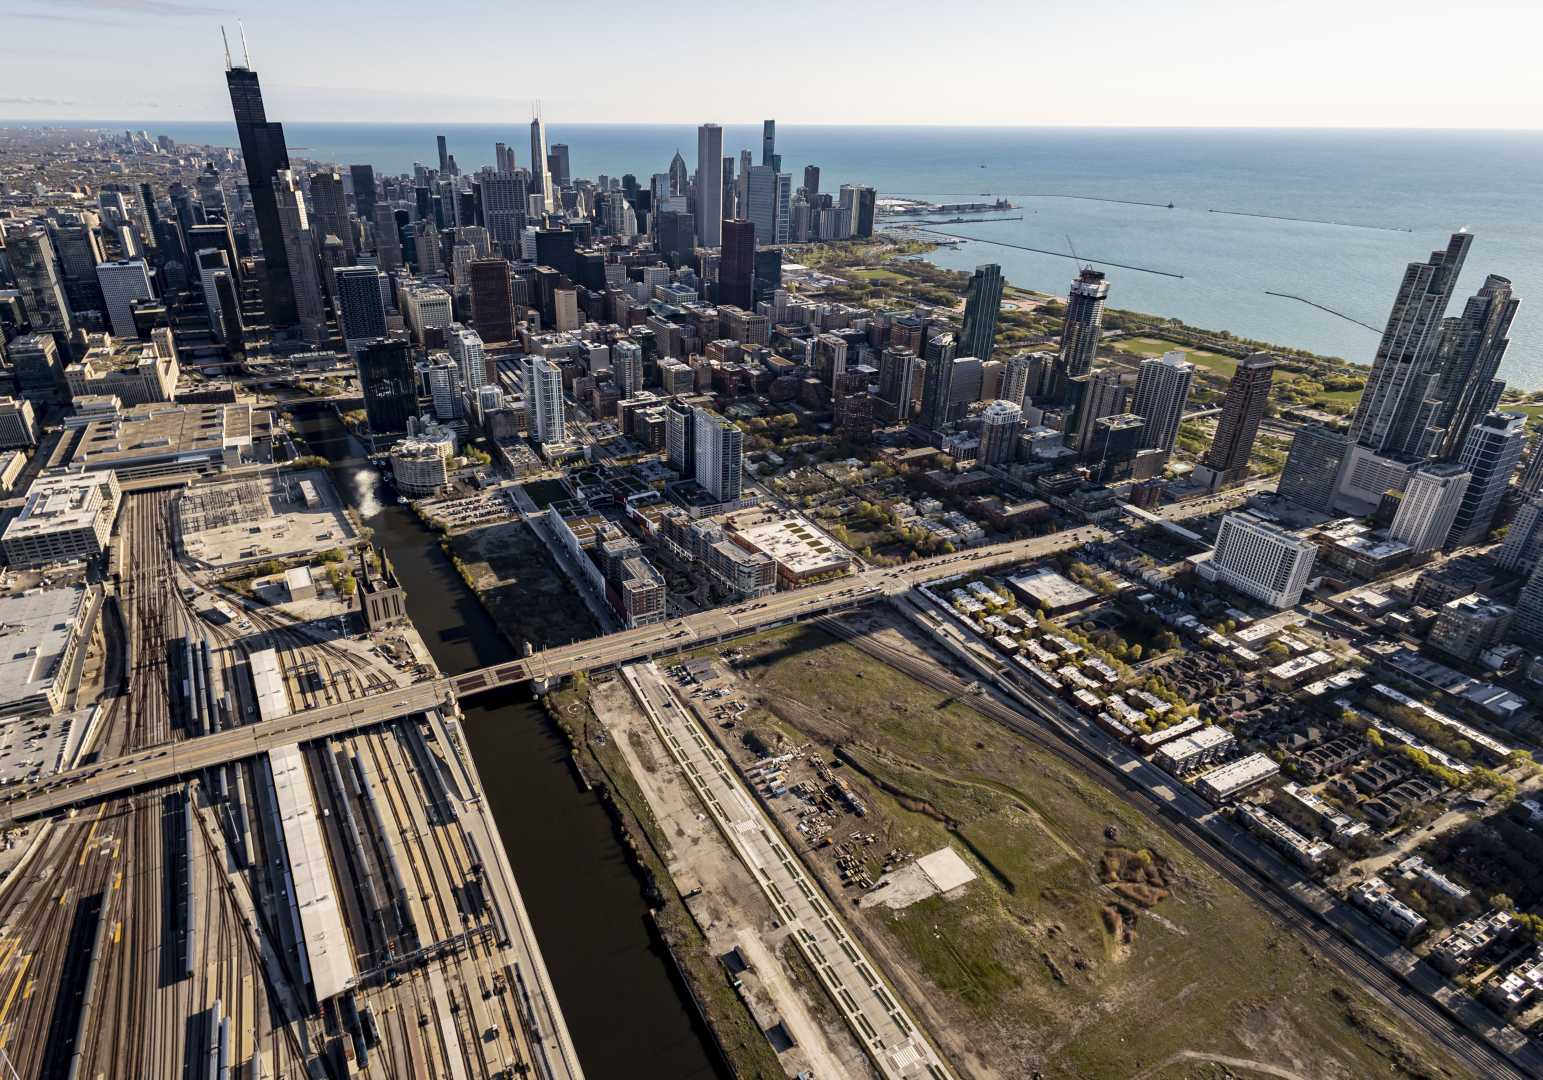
(1360, 72)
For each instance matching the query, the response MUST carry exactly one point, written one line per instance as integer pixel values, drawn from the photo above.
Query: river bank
(590, 909)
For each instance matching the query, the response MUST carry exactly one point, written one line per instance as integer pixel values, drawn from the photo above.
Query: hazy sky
(1380, 63)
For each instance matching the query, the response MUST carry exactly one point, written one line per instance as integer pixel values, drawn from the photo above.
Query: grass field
(1091, 945)
(1215, 363)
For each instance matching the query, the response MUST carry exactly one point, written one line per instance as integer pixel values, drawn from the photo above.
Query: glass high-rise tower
(263, 149)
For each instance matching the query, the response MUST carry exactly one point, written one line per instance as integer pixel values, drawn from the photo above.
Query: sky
(1125, 63)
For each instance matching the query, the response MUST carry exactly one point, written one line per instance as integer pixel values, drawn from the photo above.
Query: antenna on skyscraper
(246, 55)
(226, 39)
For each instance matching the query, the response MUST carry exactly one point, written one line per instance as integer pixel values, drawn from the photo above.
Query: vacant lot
(524, 590)
(1091, 945)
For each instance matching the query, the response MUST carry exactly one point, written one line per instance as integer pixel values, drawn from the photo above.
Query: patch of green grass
(1215, 363)
(1023, 961)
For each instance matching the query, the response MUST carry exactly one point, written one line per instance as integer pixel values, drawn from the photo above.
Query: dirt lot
(1090, 945)
(523, 588)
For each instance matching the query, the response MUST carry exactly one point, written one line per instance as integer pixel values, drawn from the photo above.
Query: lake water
(1429, 183)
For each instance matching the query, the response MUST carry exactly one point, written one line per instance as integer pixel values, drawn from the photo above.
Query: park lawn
(1215, 363)
(874, 273)
(1041, 964)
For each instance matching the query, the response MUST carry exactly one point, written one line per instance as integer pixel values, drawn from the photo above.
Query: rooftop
(35, 629)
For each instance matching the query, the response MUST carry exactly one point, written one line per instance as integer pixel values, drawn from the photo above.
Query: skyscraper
(492, 298)
(982, 306)
(123, 282)
(1084, 324)
(388, 239)
(864, 206)
(361, 310)
(33, 264)
(760, 200)
(736, 267)
(680, 182)
(543, 386)
(1162, 391)
(265, 154)
(719, 455)
(1015, 378)
(1395, 409)
(811, 181)
(769, 144)
(709, 184)
(1472, 346)
(1490, 454)
(465, 347)
(897, 375)
(680, 438)
(1531, 480)
(540, 180)
(1101, 394)
(389, 381)
(1522, 548)
(1312, 467)
(300, 257)
(1429, 506)
(1000, 422)
(328, 211)
(1226, 462)
(937, 388)
(363, 177)
(557, 162)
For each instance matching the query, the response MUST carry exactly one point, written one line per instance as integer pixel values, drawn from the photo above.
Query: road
(160, 762)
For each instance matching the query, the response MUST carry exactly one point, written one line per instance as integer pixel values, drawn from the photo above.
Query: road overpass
(545, 669)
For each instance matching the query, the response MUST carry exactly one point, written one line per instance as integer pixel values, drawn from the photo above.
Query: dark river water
(628, 1015)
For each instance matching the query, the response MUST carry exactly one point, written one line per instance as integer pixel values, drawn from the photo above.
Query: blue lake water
(1429, 183)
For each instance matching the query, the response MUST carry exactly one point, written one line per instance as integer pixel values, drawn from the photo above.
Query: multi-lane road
(165, 761)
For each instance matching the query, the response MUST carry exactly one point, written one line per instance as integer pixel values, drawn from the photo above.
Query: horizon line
(94, 121)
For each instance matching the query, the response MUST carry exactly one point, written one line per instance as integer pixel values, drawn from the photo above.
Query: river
(613, 981)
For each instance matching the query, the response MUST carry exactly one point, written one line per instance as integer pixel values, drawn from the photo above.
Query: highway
(168, 760)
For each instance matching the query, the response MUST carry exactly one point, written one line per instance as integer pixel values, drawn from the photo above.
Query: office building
(18, 424)
(492, 298)
(543, 386)
(1226, 462)
(1523, 543)
(1530, 482)
(388, 239)
(327, 208)
(982, 306)
(1429, 506)
(1490, 453)
(1311, 474)
(361, 307)
(1469, 625)
(388, 379)
(1095, 396)
(122, 283)
(719, 453)
(66, 517)
(540, 177)
(709, 185)
(300, 256)
(736, 265)
(769, 154)
(1162, 392)
(1472, 347)
(557, 164)
(466, 349)
(428, 311)
(265, 154)
(1084, 324)
(34, 265)
(363, 178)
(1260, 560)
(38, 369)
(1115, 444)
(1000, 423)
(136, 372)
(1395, 410)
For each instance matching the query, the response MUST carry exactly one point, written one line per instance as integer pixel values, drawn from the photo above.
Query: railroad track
(1414, 1006)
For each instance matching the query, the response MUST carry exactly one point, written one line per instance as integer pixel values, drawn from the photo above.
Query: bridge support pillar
(545, 684)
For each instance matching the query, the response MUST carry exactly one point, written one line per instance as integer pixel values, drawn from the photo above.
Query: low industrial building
(167, 440)
(1050, 592)
(1236, 777)
(42, 643)
(66, 518)
(802, 552)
